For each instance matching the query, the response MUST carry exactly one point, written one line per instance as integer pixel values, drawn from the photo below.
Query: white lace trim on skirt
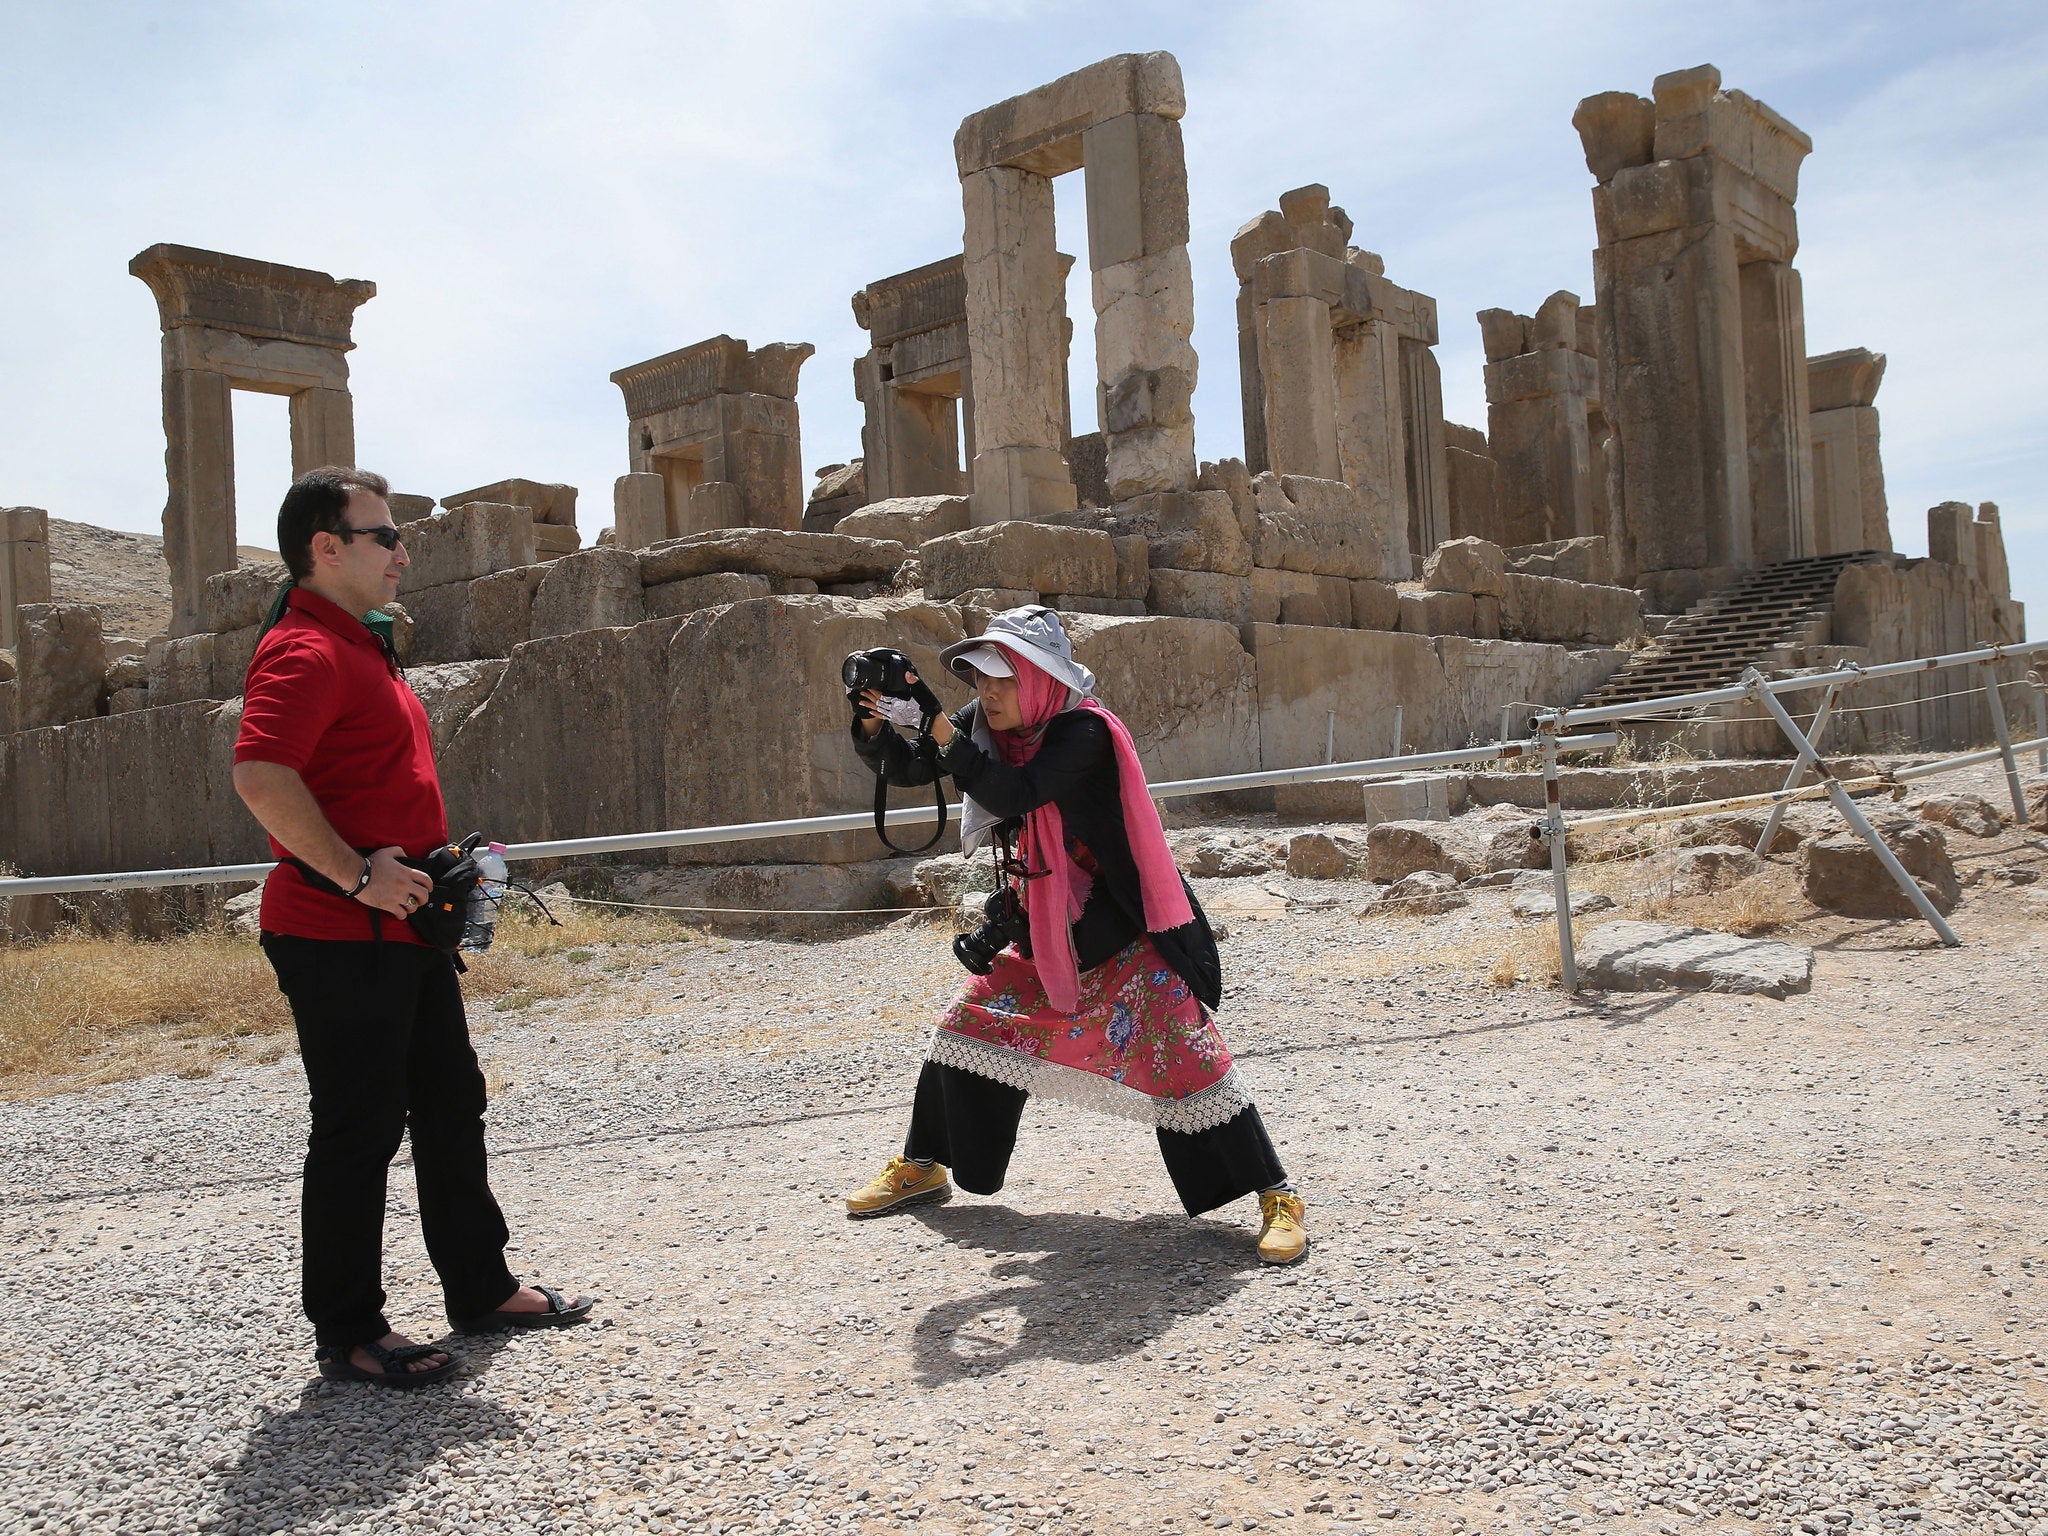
(1214, 1105)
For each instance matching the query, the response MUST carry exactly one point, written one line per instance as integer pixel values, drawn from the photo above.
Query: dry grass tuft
(91, 1009)
(78, 1008)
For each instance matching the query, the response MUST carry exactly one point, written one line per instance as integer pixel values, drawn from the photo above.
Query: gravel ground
(1614, 1263)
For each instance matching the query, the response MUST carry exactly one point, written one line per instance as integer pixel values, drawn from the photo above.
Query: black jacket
(1074, 769)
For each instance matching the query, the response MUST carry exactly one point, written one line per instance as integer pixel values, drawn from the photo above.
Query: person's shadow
(354, 1447)
(1099, 1288)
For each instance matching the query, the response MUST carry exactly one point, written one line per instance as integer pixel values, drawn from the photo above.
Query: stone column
(1372, 438)
(199, 465)
(1849, 511)
(640, 511)
(1775, 398)
(1422, 406)
(1144, 291)
(1294, 293)
(1015, 341)
(24, 567)
(1693, 187)
(1539, 391)
(323, 429)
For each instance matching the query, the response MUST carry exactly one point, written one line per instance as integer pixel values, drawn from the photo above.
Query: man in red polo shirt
(335, 761)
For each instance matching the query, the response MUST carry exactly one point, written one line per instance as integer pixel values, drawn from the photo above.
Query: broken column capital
(1837, 380)
(1618, 129)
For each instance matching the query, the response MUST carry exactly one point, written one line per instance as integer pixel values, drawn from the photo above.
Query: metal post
(1553, 833)
(1754, 681)
(1506, 713)
(1805, 761)
(1998, 725)
(1330, 739)
(2040, 691)
(1398, 750)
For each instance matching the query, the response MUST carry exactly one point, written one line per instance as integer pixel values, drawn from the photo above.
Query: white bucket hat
(1032, 633)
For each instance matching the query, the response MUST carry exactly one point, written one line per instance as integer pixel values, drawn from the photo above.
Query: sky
(544, 194)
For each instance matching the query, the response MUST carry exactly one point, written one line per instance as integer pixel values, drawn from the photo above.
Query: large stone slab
(674, 598)
(756, 720)
(1201, 595)
(60, 663)
(468, 541)
(1569, 612)
(906, 520)
(550, 503)
(1842, 873)
(569, 742)
(1308, 673)
(776, 552)
(451, 693)
(1466, 565)
(1192, 531)
(1465, 846)
(1021, 556)
(241, 597)
(1185, 688)
(593, 589)
(1656, 957)
(1325, 527)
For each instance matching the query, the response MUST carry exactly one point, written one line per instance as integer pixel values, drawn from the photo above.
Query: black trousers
(386, 1049)
(969, 1123)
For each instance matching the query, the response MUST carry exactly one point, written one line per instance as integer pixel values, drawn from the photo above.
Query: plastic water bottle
(481, 923)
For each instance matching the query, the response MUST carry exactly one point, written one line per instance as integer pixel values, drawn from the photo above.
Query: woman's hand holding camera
(874, 707)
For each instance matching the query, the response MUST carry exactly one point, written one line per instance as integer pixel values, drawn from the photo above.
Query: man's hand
(279, 799)
(394, 887)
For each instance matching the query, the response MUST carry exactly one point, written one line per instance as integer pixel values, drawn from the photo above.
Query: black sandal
(392, 1370)
(560, 1314)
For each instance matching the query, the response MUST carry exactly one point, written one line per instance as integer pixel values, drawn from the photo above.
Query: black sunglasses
(386, 535)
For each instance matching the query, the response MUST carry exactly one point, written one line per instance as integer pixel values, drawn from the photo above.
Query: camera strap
(929, 750)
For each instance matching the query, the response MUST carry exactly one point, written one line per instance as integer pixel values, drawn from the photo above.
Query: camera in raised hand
(893, 675)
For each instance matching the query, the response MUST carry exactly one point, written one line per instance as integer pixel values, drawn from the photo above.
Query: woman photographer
(1106, 1001)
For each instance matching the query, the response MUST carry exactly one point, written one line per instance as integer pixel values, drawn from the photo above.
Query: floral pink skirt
(1139, 1045)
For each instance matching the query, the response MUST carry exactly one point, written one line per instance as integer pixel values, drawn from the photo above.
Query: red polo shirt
(323, 699)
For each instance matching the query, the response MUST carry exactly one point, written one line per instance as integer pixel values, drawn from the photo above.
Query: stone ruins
(1651, 462)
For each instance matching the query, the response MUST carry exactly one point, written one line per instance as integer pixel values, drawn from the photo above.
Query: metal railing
(811, 826)
(1756, 688)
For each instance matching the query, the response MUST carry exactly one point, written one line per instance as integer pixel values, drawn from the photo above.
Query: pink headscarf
(1055, 899)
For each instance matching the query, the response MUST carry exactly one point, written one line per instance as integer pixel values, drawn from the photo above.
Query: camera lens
(852, 670)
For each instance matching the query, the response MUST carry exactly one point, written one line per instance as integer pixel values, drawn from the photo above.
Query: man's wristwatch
(362, 880)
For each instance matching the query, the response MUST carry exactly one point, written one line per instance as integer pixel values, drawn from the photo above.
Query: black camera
(1008, 923)
(882, 669)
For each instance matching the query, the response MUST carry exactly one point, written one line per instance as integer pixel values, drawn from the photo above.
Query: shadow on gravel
(348, 1447)
(1096, 1287)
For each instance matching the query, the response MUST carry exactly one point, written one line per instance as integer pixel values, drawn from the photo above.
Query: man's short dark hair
(315, 504)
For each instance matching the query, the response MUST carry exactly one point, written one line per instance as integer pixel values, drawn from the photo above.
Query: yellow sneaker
(901, 1183)
(1283, 1239)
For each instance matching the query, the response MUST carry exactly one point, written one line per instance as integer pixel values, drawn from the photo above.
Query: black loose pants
(386, 1049)
(969, 1123)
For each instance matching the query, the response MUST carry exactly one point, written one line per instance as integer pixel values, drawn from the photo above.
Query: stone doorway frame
(231, 322)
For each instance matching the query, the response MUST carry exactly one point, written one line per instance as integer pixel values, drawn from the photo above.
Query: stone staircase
(1739, 626)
